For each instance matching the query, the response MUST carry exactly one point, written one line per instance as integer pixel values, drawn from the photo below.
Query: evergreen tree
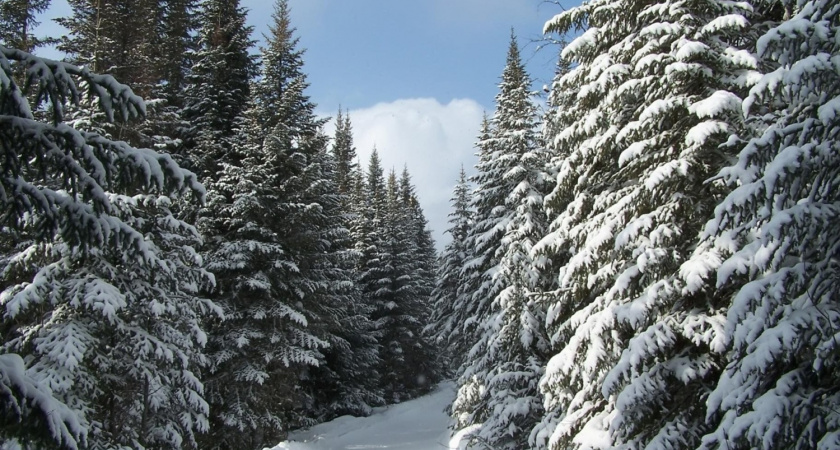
(346, 381)
(99, 290)
(469, 408)
(640, 118)
(396, 282)
(286, 285)
(279, 97)
(339, 384)
(143, 43)
(508, 358)
(478, 256)
(374, 267)
(445, 328)
(114, 37)
(218, 89)
(18, 21)
(344, 153)
(773, 244)
(31, 415)
(421, 268)
(175, 49)
(401, 309)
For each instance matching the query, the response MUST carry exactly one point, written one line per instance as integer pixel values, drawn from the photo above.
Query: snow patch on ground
(419, 424)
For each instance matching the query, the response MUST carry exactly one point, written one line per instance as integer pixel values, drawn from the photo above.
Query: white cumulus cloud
(432, 139)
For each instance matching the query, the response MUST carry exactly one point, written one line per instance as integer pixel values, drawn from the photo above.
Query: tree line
(186, 259)
(653, 261)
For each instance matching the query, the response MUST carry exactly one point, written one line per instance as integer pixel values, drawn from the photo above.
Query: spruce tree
(478, 257)
(143, 43)
(421, 268)
(401, 308)
(99, 292)
(174, 47)
(31, 415)
(114, 37)
(446, 323)
(283, 268)
(507, 359)
(374, 264)
(773, 245)
(396, 282)
(218, 89)
(640, 118)
(346, 381)
(344, 153)
(469, 408)
(177, 44)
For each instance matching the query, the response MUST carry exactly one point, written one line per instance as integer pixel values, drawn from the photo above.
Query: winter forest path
(419, 424)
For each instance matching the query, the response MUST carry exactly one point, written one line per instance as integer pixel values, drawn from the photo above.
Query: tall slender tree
(344, 153)
(286, 284)
(446, 323)
(508, 358)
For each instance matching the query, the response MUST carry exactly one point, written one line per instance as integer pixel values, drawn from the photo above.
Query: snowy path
(419, 424)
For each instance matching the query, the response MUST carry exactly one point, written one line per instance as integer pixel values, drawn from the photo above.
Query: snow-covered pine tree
(469, 407)
(422, 256)
(99, 293)
(478, 257)
(264, 331)
(172, 51)
(31, 415)
(218, 89)
(392, 266)
(445, 327)
(339, 383)
(377, 271)
(365, 241)
(396, 290)
(654, 91)
(114, 37)
(508, 359)
(371, 201)
(774, 240)
(346, 381)
(146, 44)
(286, 280)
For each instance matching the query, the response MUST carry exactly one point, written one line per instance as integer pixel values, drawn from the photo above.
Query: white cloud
(432, 139)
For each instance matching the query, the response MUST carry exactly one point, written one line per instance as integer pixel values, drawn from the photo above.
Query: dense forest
(186, 259)
(651, 261)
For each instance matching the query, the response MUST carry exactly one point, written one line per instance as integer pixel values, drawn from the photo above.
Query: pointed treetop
(513, 48)
(393, 187)
(514, 72)
(375, 175)
(280, 96)
(282, 26)
(343, 151)
(486, 128)
(406, 188)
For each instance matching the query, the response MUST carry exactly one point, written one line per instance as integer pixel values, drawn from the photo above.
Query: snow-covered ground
(419, 424)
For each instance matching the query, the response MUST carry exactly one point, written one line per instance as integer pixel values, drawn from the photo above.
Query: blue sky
(416, 75)
(362, 52)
